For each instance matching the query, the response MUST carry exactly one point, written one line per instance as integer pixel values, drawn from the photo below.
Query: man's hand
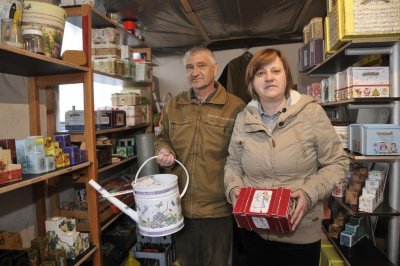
(301, 208)
(165, 158)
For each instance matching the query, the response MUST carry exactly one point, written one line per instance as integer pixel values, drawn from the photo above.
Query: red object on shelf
(129, 25)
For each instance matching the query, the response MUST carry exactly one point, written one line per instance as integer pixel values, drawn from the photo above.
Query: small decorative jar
(33, 40)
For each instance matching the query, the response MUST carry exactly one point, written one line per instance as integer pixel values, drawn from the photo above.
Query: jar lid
(32, 31)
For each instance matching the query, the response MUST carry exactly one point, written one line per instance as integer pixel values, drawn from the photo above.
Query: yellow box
(329, 255)
(360, 19)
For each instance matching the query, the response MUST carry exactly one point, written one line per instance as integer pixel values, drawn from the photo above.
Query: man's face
(200, 70)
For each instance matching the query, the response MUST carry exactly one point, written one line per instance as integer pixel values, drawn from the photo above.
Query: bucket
(48, 18)
(158, 202)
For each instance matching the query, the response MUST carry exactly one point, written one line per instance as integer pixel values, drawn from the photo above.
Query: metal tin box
(374, 139)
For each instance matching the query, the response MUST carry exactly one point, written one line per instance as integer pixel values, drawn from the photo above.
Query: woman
(283, 139)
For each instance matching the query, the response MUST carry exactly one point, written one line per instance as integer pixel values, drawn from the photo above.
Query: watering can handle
(184, 168)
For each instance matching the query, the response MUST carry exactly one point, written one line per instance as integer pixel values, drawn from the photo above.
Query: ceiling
(173, 26)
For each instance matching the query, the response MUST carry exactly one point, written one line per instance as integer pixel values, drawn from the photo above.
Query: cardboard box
(267, 209)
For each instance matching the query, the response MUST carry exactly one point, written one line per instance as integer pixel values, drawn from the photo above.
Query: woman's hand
(235, 195)
(165, 158)
(301, 208)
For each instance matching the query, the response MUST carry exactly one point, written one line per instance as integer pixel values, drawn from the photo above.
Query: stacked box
(268, 209)
(367, 82)
(143, 72)
(359, 19)
(41, 244)
(111, 66)
(374, 139)
(105, 35)
(9, 172)
(62, 235)
(313, 30)
(9, 144)
(354, 231)
(372, 193)
(311, 54)
(127, 98)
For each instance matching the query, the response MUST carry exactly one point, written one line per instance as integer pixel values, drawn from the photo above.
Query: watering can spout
(122, 206)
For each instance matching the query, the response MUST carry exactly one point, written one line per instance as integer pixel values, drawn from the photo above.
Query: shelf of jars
(21, 62)
(342, 58)
(30, 179)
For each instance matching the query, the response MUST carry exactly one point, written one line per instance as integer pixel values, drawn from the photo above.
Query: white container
(157, 200)
(48, 18)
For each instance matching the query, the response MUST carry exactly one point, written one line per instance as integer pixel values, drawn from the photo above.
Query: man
(195, 128)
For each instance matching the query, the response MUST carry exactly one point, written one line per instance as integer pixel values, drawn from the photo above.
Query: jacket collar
(297, 103)
(219, 97)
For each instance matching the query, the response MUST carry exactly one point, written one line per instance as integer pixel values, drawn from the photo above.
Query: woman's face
(270, 81)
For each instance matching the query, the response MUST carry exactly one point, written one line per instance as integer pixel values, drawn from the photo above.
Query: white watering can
(157, 200)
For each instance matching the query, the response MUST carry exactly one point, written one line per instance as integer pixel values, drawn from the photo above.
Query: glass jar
(11, 32)
(33, 40)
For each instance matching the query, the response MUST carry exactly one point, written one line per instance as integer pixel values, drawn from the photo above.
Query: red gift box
(267, 209)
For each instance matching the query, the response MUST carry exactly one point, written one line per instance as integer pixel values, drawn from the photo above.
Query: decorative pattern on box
(9, 172)
(374, 139)
(62, 235)
(268, 209)
(110, 65)
(363, 82)
(106, 50)
(313, 30)
(359, 19)
(105, 35)
(127, 98)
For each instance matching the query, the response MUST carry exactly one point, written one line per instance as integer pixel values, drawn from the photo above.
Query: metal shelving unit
(347, 55)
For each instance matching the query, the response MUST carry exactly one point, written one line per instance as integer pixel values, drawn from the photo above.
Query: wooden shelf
(120, 129)
(382, 210)
(115, 80)
(108, 167)
(339, 61)
(28, 64)
(363, 253)
(99, 20)
(32, 179)
(82, 257)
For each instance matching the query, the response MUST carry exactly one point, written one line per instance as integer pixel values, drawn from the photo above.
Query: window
(71, 95)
